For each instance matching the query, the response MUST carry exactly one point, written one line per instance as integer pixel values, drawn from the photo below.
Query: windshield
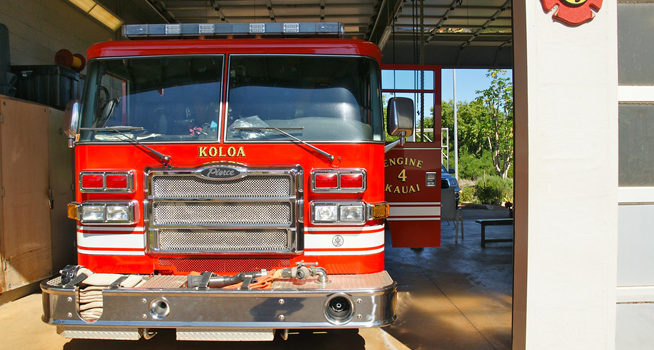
(313, 98)
(162, 98)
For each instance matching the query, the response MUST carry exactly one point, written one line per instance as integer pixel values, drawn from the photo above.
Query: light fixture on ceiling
(99, 12)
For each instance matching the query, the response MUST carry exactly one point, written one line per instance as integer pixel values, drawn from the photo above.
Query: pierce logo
(572, 12)
(219, 173)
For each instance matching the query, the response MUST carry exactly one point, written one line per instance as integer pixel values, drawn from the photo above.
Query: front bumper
(129, 313)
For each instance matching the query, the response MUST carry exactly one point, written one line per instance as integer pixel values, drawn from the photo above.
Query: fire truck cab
(230, 184)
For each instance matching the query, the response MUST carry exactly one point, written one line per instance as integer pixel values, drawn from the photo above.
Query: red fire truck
(229, 184)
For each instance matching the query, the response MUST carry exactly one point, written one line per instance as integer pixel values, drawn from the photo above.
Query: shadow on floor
(165, 339)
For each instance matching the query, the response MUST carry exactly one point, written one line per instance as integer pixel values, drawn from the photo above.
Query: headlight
(334, 213)
(325, 213)
(118, 213)
(351, 213)
(93, 213)
(114, 213)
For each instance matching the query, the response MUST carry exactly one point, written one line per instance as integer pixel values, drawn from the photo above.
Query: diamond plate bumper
(290, 304)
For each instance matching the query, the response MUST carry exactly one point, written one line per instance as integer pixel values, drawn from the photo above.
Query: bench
(493, 222)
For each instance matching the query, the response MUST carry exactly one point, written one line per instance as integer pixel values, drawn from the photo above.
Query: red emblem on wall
(573, 12)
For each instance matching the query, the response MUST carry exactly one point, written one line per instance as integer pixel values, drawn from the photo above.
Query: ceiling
(456, 33)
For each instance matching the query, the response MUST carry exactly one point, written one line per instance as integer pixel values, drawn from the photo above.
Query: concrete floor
(457, 296)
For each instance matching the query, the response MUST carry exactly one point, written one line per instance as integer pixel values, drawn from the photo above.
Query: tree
(497, 126)
(471, 132)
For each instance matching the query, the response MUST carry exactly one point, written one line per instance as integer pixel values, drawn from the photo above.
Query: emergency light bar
(313, 29)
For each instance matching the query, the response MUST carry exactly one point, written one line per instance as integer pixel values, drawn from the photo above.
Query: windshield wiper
(120, 130)
(279, 130)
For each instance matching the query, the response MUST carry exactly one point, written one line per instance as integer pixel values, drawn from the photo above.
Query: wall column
(566, 176)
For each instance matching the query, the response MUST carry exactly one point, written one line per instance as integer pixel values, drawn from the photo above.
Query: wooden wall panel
(26, 242)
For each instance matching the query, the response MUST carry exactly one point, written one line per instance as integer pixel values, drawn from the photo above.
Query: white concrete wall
(38, 29)
(566, 179)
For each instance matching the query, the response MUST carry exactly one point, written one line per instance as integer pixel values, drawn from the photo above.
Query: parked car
(446, 176)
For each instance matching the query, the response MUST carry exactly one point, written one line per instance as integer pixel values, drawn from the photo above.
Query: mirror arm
(391, 145)
(401, 141)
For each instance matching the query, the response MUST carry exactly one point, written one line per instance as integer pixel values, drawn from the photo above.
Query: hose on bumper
(257, 279)
(90, 286)
(212, 280)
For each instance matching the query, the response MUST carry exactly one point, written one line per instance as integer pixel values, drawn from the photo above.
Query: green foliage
(472, 167)
(491, 187)
(429, 123)
(485, 129)
(471, 131)
(498, 124)
(467, 194)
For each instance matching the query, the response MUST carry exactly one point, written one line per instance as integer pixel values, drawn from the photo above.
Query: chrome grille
(223, 240)
(208, 213)
(194, 187)
(257, 212)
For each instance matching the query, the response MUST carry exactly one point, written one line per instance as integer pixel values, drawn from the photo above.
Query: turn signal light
(380, 211)
(72, 209)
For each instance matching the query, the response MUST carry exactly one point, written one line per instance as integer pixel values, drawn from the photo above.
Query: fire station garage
(576, 273)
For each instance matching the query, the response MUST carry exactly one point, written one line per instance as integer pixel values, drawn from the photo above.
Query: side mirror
(400, 113)
(451, 170)
(71, 122)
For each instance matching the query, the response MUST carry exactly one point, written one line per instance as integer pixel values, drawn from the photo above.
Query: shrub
(467, 194)
(492, 187)
(471, 167)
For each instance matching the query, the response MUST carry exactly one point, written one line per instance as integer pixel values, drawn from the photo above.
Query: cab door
(412, 170)
(413, 190)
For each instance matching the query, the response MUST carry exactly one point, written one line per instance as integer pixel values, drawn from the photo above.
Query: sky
(467, 82)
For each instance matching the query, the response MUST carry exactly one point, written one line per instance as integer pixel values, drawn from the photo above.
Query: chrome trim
(373, 295)
(241, 172)
(346, 319)
(293, 240)
(225, 334)
(104, 333)
(300, 216)
(130, 182)
(431, 182)
(338, 188)
(291, 201)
